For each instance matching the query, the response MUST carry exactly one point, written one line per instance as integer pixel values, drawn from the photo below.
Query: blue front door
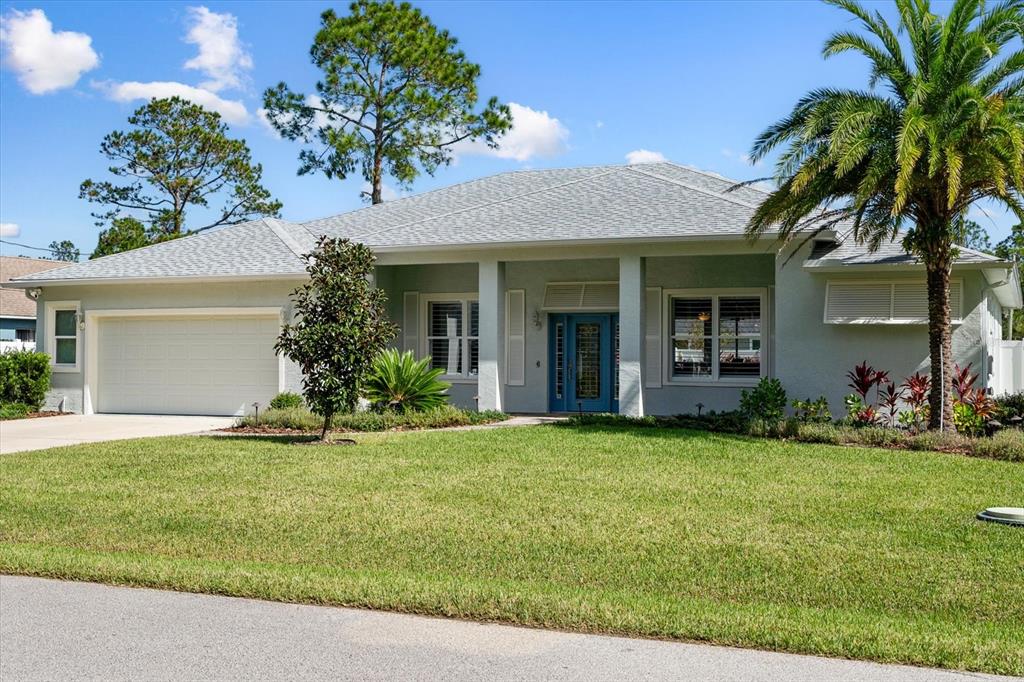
(583, 362)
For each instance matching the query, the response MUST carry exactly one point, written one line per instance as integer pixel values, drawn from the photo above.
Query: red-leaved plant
(963, 380)
(917, 387)
(890, 397)
(864, 377)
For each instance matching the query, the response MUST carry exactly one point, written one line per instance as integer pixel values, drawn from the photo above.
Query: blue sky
(592, 82)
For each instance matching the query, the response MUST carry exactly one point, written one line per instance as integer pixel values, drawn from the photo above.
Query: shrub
(766, 401)
(283, 401)
(966, 420)
(858, 413)
(1009, 406)
(301, 419)
(14, 410)
(401, 383)
(812, 411)
(24, 377)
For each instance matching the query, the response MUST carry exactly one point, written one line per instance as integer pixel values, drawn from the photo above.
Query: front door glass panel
(588, 361)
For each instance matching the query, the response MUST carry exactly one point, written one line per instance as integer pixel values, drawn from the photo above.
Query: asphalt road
(53, 630)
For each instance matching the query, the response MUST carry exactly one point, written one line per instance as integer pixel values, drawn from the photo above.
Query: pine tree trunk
(940, 346)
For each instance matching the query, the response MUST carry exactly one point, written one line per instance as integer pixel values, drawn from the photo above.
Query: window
(453, 335)
(715, 337)
(63, 339)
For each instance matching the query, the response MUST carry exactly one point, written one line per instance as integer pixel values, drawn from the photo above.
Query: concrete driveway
(20, 435)
(54, 630)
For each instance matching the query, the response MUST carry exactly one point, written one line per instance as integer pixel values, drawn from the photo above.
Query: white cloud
(742, 158)
(45, 61)
(534, 134)
(644, 156)
(222, 58)
(233, 111)
(9, 230)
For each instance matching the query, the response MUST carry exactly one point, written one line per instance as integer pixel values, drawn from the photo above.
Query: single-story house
(18, 313)
(612, 288)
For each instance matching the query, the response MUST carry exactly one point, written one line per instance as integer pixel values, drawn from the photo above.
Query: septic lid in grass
(1013, 516)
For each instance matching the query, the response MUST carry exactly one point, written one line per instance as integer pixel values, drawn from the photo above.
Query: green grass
(863, 553)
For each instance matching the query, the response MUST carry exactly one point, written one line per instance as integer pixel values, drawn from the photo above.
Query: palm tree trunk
(940, 346)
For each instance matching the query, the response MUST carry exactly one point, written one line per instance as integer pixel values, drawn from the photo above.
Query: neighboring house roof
(13, 302)
(659, 201)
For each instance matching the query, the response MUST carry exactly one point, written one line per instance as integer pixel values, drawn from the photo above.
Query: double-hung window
(453, 335)
(64, 344)
(716, 337)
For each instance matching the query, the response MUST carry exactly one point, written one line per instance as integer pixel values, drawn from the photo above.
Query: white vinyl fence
(16, 345)
(1010, 368)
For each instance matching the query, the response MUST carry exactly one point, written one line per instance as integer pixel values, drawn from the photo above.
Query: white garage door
(186, 365)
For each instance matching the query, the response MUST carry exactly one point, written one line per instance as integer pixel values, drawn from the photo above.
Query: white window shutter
(411, 321)
(515, 337)
(652, 338)
(902, 302)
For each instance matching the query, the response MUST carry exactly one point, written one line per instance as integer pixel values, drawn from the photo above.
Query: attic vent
(581, 296)
(885, 302)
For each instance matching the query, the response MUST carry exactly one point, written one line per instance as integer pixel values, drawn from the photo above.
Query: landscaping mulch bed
(36, 415)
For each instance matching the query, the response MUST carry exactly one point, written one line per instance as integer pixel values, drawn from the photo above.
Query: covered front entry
(584, 362)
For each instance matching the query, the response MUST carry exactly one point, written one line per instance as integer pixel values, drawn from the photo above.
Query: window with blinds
(715, 337)
(894, 302)
(453, 336)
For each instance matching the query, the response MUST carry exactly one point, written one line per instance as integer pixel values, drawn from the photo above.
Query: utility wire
(34, 248)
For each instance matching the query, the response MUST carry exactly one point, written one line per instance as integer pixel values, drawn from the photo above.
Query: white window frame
(465, 299)
(52, 308)
(714, 295)
(892, 295)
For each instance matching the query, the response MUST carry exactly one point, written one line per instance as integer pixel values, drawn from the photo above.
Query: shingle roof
(603, 202)
(643, 202)
(253, 248)
(13, 302)
(849, 253)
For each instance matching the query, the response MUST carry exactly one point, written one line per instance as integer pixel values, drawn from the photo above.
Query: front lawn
(863, 553)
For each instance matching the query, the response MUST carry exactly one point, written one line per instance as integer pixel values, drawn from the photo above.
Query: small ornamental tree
(341, 325)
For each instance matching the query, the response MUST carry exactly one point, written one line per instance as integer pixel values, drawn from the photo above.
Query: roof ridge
(277, 226)
(488, 203)
(738, 202)
(717, 176)
(514, 171)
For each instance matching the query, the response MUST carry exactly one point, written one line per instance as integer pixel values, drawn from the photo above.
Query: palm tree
(906, 157)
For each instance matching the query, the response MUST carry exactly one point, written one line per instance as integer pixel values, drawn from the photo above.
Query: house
(613, 288)
(17, 311)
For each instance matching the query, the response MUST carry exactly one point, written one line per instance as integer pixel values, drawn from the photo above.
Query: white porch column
(491, 386)
(632, 296)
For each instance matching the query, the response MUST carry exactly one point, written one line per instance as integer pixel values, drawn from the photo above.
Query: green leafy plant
(858, 413)
(24, 377)
(812, 411)
(283, 401)
(400, 382)
(341, 326)
(765, 402)
(14, 410)
(967, 421)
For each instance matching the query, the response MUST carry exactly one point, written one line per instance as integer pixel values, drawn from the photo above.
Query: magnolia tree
(341, 325)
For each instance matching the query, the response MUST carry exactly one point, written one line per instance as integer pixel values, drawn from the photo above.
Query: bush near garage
(24, 377)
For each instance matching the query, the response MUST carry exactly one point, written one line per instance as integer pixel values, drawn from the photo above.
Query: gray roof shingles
(649, 201)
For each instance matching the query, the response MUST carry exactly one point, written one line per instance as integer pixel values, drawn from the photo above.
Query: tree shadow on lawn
(282, 439)
(668, 433)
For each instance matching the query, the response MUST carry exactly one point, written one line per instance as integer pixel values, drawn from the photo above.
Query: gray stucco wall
(69, 385)
(812, 357)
